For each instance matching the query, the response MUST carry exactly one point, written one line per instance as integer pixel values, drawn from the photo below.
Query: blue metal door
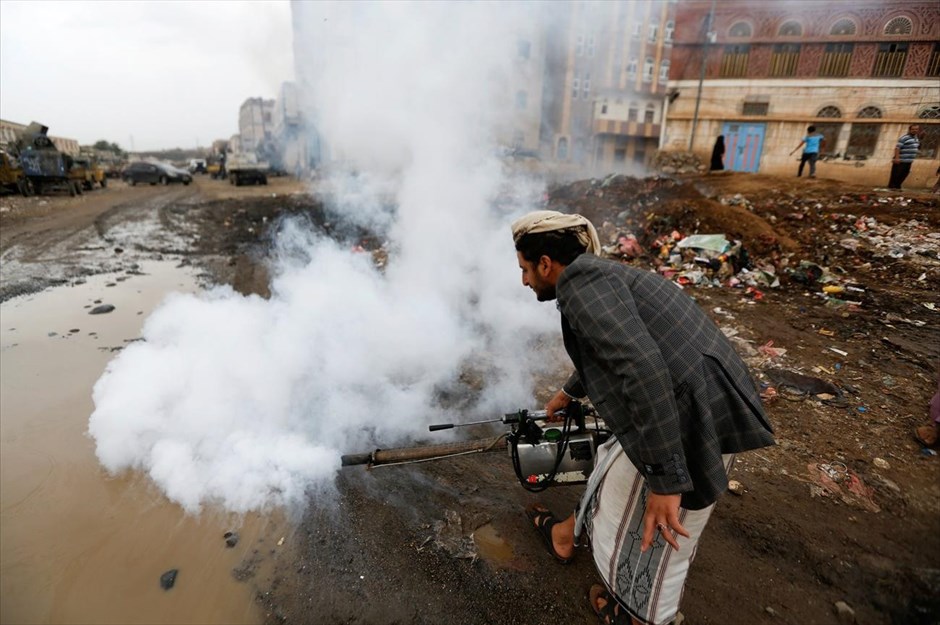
(743, 144)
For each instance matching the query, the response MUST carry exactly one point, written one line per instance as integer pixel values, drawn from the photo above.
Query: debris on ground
(168, 579)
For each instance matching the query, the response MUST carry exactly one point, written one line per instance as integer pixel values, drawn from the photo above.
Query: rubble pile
(678, 163)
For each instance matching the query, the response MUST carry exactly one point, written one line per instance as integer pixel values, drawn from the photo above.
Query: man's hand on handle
(662, 515)
(559, 402)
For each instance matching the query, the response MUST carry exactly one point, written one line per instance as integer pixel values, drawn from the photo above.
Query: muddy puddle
(77, 545)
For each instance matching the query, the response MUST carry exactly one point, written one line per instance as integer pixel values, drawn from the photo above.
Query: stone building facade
(861, 72)
(606, 69)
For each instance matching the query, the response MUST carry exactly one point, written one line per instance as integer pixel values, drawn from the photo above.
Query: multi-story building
(605, 82)
(292, 137)
(255, 123)
(860, 71)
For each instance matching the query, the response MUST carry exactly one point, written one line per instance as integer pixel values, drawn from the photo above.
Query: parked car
(197, 166)
(153, 173)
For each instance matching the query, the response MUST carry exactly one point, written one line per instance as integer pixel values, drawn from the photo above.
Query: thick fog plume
(247, 402)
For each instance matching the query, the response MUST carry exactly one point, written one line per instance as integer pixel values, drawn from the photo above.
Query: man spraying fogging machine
(676, 403)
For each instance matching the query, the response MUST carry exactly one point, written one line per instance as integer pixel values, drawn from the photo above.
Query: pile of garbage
(699, 260)
(678, 163)
(910, 239)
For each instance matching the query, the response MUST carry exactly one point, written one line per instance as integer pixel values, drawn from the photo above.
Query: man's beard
(545, 294)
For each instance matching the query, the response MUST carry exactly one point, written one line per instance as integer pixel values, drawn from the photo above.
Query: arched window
(844, 26)
(740, 29)
(650, 114)
(929, 112)
(870, 112)
(562, 152)
(899, 26)
(829, 111)
(664, 71)
(668, 30)
(648, 69)
(632, 113)
(790, 29)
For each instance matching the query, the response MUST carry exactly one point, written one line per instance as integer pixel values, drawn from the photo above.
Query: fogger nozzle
(508, 418)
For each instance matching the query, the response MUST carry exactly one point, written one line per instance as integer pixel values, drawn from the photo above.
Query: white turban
(550, 221)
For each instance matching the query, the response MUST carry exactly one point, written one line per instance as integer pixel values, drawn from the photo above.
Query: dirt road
(448, 542)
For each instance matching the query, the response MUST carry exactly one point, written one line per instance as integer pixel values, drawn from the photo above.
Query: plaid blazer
(661, 374)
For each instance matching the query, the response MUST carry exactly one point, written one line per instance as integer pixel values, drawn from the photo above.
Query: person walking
(718, 154)
(679, 401)
(904, 154)
(814, 144)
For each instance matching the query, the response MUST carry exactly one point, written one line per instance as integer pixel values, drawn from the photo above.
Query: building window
(639, 154)
(930, 133)
(575, 86)
(869, 112)
(829, 111)
(836, 59)
(784, 59)
(620, 155)
(604, 109)
(562, 152)
(890, 60)
(790, 29)
(844, 26)
(579, 47)
(650, 114)
(929, 112)
(654, 32)
(755, 108)
(862, 139)
(933, 66)
(740, 29)
(632, 113)
(830, 132)
(664, 71)
(591, 46)
(734, 61)
(586, 87)
(523, 48)
(648, 69)
(637, 27)
(668, 31)
(631, 68)
(899, 26)
(521, 100)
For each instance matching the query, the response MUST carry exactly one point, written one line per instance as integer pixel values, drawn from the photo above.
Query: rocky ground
(841, 286)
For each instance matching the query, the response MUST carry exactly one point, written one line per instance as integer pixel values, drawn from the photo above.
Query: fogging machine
(542, 455)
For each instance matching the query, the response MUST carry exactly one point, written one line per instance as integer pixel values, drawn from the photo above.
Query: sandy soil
(448, 542)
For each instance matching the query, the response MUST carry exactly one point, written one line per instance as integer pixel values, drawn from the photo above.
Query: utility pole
(709, 39)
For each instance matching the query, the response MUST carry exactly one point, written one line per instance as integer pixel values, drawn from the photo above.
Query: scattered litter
(881, 463)
(736, 488)
(834, 479)
(101, 310)
(280, 542)
(838, 351)
(231, 539)
(803, 383)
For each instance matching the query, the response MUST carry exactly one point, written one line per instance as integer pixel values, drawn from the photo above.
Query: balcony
(625, 129)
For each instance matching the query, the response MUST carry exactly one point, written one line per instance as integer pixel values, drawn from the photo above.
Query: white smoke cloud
(246, 402)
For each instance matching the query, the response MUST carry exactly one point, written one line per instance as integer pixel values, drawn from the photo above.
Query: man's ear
(544, 266)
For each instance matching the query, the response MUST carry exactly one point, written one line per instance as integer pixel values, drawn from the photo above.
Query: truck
(12, 177)
(46, 168)
(245, 168)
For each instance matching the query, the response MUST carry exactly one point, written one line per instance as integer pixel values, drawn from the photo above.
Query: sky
(146, 75)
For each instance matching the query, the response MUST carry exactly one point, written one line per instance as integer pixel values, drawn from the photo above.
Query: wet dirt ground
(448, 541)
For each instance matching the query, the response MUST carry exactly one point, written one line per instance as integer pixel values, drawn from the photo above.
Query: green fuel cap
(553, 435)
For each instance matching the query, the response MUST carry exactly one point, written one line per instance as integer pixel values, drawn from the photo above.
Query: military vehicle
(45, 166)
